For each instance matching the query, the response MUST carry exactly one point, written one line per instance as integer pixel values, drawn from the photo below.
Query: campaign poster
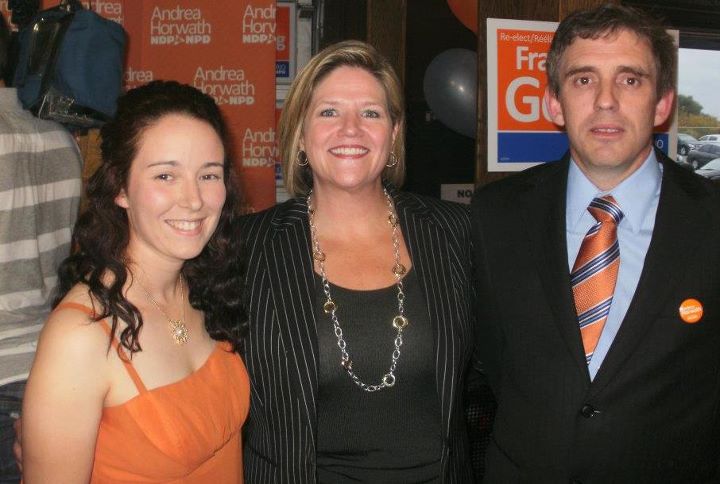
(225, 48)
(5, 11)
(286, 42)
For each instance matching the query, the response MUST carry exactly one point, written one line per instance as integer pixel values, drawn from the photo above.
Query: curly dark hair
(610, 19)
(215, 277)
(4, 46)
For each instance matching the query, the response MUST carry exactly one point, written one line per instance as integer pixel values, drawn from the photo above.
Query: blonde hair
(350, 53)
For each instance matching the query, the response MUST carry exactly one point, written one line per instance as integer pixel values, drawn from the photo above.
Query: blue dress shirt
(638, 197)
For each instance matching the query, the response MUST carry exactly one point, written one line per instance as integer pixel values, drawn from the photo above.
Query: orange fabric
(183, 432)
(123, 357)
(596, 268)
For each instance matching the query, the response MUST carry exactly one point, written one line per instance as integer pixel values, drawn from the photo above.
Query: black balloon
(450, 87)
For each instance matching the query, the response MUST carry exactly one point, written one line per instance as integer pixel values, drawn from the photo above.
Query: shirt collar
(635, 195)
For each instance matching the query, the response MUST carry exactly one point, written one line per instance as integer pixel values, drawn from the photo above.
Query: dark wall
(342, 20)
(697, 20)
(435, 153)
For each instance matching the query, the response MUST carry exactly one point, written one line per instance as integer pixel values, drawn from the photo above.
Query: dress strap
(115, 342)
(77, 306)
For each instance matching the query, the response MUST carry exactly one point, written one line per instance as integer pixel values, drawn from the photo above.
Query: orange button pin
(691, 311)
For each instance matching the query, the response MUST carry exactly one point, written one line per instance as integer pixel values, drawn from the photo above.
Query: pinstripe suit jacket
(281, 349)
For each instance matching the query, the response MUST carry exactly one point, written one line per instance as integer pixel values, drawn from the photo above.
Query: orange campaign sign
(521, 75)
(521, 133)
(5, 11)
(285, 53)
(225, 48)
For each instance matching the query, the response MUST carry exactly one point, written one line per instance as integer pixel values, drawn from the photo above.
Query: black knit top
(392, 435)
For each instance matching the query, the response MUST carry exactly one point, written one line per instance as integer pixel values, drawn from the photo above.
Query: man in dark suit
(598, 279)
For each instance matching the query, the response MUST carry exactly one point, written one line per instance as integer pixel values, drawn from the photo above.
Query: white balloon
(450, 87)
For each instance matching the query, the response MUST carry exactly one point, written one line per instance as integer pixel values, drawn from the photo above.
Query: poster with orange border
(286, 41)
(5, 11)
(521, 133)
(226, 48)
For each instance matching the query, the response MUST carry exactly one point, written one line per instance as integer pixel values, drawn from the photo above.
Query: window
(698, 22)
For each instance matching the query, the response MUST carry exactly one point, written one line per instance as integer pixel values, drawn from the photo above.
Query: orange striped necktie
(595, 271)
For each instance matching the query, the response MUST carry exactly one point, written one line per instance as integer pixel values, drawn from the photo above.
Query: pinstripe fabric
(281, 349)
(595, 272)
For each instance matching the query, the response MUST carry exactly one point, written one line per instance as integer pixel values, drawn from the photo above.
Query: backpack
(70, 65)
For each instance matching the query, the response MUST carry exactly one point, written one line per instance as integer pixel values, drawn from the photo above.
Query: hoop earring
(392, 160)
(301, 158)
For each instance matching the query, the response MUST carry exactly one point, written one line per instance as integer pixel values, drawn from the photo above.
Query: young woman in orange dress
(137, 376)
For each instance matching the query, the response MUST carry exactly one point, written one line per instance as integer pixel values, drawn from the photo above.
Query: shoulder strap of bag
(64, 22)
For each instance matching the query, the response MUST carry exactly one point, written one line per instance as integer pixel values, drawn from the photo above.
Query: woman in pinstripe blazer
(331, 269)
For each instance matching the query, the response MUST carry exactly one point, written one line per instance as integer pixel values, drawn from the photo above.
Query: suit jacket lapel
(291, 274)
(544, 217)
(428, 246)
(679, 223)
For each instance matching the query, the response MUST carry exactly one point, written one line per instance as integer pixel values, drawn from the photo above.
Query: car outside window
(712, 165)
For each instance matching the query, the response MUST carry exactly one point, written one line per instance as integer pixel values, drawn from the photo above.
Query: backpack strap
(74, 5)
(49, 72)
(114, 341)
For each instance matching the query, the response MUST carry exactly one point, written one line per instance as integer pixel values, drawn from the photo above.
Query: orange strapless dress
(187, 431)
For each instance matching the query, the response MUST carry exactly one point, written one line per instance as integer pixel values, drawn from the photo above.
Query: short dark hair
(611, 19)
(101, 234)
(4, 44)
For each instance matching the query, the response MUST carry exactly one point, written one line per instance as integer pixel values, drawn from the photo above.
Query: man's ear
(554, 107)
(663, 108)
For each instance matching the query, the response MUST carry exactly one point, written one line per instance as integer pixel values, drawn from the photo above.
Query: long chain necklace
(399, 322)
(179, 332)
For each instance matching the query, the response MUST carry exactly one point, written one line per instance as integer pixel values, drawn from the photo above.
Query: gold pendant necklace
(399, 322)
(179, 332)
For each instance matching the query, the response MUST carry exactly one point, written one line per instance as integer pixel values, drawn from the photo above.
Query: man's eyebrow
(623, 69)
(638, 71)
(579, 70)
